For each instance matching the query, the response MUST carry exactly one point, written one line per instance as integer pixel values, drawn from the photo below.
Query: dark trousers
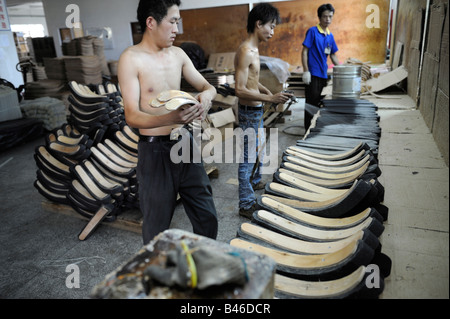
(313, 91)
(313, 95)
(161, 180)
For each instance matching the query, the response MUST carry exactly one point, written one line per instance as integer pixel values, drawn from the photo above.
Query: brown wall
(215, 29)
(222, 29)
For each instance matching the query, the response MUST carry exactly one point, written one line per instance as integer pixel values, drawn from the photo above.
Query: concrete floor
(36, 245)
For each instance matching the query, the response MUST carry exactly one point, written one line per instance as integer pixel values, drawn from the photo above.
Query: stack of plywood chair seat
(84, 69)
(51, 111)
(45, 88)
(98, 47)
(85, 60)
(322, 215)
(55, 68)
(90, 163)
(94, 110)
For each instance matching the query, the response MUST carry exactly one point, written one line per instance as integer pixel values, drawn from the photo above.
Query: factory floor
(38, 243)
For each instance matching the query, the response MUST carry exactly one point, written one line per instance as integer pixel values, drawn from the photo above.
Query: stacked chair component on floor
(351, 286)
(274, 205)
(298, 230)
(90, 162)
(322, 215)
(259, 234)
(314, 266)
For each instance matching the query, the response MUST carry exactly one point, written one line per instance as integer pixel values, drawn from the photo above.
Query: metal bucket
(346, 82)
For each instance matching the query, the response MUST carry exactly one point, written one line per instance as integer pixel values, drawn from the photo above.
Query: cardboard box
(222, 62)
(221, 118)
(230, 100)
(270, 81)
(386, 80)
(222, 121)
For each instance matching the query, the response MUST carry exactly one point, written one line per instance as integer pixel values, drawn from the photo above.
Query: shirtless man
(145, 70)
(262, 21)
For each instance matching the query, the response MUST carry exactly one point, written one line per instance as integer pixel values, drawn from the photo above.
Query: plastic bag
(278, 67)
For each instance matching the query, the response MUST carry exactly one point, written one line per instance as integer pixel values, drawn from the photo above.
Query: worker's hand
(281, 98)
(188, 113)
(206, 103)
(307, 77)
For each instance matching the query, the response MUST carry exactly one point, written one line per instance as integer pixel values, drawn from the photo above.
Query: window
(29, 30)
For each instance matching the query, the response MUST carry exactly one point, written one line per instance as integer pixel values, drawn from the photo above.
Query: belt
(250, 107)
(153, 139)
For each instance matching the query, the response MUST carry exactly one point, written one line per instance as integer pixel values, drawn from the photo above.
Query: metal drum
(346, 82)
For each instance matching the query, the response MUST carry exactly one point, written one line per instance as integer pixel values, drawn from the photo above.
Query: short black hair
(264, 12)
(324, 7)
(155, 8)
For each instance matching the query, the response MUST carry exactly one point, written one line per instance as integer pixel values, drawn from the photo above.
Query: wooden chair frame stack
(322, 215)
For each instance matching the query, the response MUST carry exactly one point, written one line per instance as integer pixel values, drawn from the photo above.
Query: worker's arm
(306, 74)
(194, 78)
(305, 51)
(334, 59)
(128, 76)
(242, 65)
(263, 89)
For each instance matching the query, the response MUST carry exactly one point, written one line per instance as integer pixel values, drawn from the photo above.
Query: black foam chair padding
(87, 99)
(332, 184)
(110, 165)
(361, 254)
(53, 197)
(373, 225)
(126, 142)
(98, 178)
(372, 213)
(76, 202)
(303, 168)
(50, 184)
(90, 185)
(125, 181)
(356, 201)
(338, 155)
(367, 236)
(87, 115)
(360, 290)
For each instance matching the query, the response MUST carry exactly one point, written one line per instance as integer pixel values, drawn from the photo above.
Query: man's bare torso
(158, 72)
(253, 71)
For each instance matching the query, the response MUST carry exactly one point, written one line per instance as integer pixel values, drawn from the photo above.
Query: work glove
(307, 77)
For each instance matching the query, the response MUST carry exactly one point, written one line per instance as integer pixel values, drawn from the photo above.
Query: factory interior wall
(424, 42)
(359, 30)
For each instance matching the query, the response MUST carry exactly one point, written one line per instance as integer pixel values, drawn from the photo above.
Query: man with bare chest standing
(145, 70)
(261, 23)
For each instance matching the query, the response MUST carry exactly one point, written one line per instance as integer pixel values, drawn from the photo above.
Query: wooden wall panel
(222, 29)
(215, 29)
(407, 31)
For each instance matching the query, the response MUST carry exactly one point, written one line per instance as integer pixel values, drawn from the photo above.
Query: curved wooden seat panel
(343, 162)
(344, 260)
(248, 231)
(335, 207)
(331, 183)
(313, 220)
(324, 168)
(354, 174)
(331, 157)
(295, 193)
(301, 231)
(286, 287)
